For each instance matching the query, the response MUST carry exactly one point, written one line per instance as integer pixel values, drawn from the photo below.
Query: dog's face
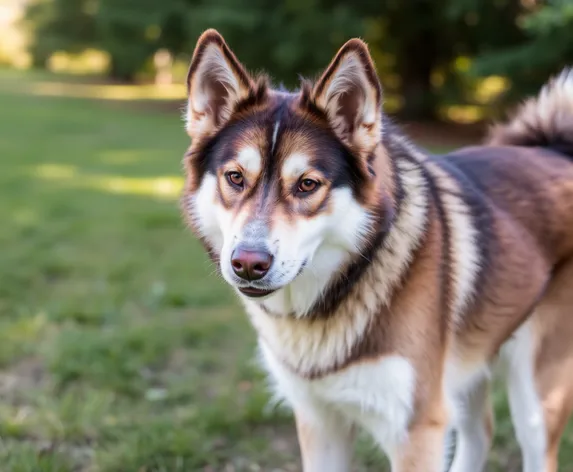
(282, 187)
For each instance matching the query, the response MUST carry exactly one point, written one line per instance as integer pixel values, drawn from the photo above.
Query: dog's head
(284, 189)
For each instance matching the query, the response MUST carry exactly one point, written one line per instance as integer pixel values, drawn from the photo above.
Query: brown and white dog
(384, 282)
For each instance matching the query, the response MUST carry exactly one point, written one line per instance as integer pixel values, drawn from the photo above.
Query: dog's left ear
(351, 95)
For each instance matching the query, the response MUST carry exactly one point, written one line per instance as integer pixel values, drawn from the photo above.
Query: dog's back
(525, 169)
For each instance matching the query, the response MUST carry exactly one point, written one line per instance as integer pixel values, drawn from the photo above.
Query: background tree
(545, 48)
(423, 48)
(67, 25)
(285, 38)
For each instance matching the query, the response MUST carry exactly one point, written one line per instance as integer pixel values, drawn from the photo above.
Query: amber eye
(235, 179)
(307, 185)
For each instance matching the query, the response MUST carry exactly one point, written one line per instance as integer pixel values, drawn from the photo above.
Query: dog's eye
(307, 185)
(235, 179)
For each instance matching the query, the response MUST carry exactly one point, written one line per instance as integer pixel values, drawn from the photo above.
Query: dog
(385, 283)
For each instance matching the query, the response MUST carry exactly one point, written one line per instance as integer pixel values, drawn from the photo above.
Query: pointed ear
(216, 82)
(351, 95)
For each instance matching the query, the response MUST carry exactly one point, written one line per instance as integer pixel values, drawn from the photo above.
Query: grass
(119, 350)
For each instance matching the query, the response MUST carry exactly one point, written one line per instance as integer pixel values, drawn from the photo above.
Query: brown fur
(553, 323)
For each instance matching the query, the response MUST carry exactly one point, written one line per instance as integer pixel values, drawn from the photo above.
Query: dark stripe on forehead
(279, 119)
(274, 119)
(269, 178)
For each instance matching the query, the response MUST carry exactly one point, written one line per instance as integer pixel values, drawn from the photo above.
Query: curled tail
(545, 120)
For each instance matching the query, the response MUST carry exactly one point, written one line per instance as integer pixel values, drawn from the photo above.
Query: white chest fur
(376, 395)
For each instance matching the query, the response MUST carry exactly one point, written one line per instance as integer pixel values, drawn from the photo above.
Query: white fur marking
(275, 133)
(465, 386)
(525, 405)
(250, 159)
(327, 443)
(469, 420)
(378, 394)
(294, 166)
(464, 253)
(201, 211)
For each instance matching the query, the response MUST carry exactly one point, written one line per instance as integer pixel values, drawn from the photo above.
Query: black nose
(251, 264)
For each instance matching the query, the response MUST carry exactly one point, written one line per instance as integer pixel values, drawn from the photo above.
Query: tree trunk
(417, 55)
(419, 99)
(119, 73)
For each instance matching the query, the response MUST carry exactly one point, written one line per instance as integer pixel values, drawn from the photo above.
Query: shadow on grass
(39, 85)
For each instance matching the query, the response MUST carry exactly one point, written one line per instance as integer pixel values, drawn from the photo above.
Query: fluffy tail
(545, 120)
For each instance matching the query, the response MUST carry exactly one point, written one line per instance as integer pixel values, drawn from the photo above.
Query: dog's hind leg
(552, 328)
(524, 401)
(473, 422)
(557, 406)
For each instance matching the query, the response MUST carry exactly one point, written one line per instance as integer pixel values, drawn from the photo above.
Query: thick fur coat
(384, 282)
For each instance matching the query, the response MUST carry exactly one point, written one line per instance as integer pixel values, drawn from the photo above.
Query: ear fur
(216, 83)
(350, 94)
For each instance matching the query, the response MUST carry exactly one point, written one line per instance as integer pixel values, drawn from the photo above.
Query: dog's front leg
(423, 449)
(325, 440)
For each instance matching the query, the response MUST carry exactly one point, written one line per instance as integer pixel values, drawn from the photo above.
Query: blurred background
(120, 349)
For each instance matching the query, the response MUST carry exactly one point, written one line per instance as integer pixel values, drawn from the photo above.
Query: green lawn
(120, 350)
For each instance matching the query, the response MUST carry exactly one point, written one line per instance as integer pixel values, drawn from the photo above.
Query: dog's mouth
(255, 292)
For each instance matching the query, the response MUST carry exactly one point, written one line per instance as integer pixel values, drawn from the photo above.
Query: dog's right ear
(216, 82)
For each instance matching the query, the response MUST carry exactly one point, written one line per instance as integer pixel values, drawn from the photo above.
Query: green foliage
(286, 38)
(547, 47)
(266, 34)
(132, 30)
(416, 43)
(60, 25)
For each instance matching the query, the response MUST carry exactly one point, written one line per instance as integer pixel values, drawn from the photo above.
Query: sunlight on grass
(109, 92)
(27, 329)
(56, 171)
(19, 335)
(161, 187)
(25, 216)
